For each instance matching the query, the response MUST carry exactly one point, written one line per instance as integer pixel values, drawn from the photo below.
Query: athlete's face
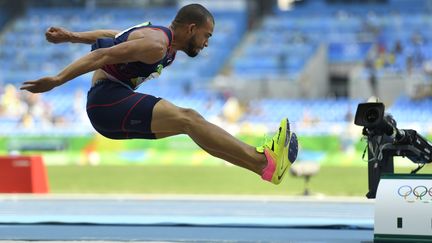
(199, 38)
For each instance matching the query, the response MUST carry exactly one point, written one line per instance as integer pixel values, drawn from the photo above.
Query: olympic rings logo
(418, 193)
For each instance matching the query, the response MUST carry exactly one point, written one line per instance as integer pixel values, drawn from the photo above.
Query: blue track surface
(186, 219)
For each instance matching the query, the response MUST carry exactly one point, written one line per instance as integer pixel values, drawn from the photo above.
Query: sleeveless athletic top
(135, 73)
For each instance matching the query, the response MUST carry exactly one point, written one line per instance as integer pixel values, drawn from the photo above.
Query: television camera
(385, 140)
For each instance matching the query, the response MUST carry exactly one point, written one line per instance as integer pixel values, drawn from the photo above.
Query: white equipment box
(403, 208)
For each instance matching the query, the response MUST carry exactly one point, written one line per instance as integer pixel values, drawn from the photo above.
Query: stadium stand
(289, 38)
(29, 56)
(391, 35)
(394, 34)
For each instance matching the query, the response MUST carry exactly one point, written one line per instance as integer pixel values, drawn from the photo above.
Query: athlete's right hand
(58, 35)
(41, 85)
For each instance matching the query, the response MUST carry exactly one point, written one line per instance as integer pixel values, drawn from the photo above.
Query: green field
(177, 150)
(174, 179)
(176, 165)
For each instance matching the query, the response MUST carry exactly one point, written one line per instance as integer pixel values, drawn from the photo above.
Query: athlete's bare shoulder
(149, 34)
(145, 45)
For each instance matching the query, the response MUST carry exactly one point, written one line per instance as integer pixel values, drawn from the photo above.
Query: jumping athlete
(121, 61)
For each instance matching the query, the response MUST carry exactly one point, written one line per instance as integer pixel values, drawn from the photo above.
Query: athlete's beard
(192, 48)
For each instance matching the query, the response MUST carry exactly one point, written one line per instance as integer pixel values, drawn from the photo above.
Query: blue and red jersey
(135, 73)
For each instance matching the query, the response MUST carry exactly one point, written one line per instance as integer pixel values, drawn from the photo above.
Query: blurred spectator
(26, 121)
(232, 111)
(350, 134)
(398, 49)
(282, 60)
(37, 108)
(10, 103)
(309, 119)
(371, 72)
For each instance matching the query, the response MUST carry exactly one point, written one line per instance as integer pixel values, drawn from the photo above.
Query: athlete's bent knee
(189, 118)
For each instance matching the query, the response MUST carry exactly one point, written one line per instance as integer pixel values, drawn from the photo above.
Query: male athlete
(124, 60)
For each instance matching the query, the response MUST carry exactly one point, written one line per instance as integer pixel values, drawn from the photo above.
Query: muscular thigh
(167, 119)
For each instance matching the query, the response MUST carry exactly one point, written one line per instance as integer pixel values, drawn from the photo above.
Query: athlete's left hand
(58, 35)
(41, 85)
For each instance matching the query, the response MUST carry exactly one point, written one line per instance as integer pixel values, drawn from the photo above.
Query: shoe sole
(293, 148)
(292, 143)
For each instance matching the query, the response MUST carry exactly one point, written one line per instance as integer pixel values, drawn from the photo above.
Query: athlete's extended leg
(169, 119)
(125, 114)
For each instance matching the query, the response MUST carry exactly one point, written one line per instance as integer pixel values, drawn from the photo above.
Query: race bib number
(139, 80)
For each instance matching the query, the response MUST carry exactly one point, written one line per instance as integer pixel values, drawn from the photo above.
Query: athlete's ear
(192, 28)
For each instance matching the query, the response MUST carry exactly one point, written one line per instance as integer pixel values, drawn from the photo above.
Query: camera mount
(385, 140)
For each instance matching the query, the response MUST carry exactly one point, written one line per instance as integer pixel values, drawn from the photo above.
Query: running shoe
(281, 151)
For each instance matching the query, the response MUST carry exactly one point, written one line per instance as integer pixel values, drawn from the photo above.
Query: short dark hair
(193, 14)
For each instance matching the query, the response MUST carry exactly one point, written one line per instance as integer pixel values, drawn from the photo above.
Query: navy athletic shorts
(117, 112)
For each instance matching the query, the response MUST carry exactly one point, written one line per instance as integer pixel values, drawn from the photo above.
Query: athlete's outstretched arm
(59, 35)
(150, 48)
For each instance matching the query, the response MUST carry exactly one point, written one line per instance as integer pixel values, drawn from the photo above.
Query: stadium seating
(287, 39)
(280, 47)
(419, 110)
(28, 55)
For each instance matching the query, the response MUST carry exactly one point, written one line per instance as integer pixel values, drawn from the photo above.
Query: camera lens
(371, 115)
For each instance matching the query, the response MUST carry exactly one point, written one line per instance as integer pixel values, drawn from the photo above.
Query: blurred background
(312, 61)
